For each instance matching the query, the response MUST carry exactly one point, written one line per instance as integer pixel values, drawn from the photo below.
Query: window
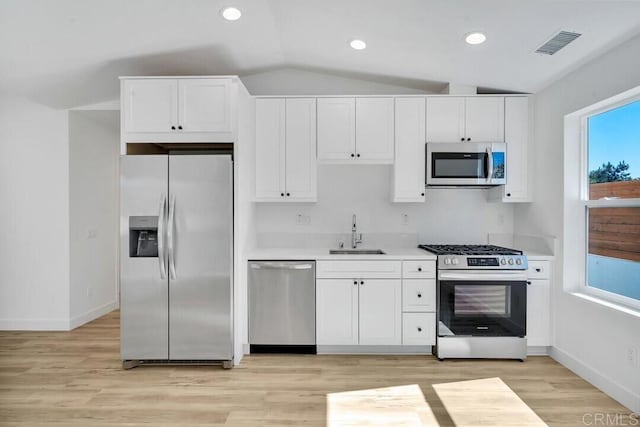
(611, 197)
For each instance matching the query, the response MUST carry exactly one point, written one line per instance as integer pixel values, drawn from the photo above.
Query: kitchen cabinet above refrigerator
(177, 109)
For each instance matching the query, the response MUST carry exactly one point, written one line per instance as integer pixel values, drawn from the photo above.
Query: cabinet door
(408, 168)
(374, 130)
(484, 119)
(270, 149)
(336, 129)
(204, 105)
(445, 119)
(516, 134)
(300, 153)
(538, 313)
(150, 105)
(380, 316)
(337, 312)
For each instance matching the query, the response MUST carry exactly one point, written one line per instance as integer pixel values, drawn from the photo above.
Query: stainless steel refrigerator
(176, 284)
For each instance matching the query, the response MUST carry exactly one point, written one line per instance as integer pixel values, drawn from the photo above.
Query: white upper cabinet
(408, 168)
(465, 119)
(270, 149)
(336, 129)
(177, 110)
(445, 119)
(150, 105)
(204, 105)
(516, 135)
(484, 119)
(374, 130)
(355, 130)
(286, 150)
(380, 312)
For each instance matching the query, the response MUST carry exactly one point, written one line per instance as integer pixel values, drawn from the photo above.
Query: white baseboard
(622, 394)
(93, 314)
(537, 350)
(34, 324)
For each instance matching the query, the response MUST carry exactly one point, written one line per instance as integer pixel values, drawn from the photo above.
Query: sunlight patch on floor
(389, 406)
(487, 402)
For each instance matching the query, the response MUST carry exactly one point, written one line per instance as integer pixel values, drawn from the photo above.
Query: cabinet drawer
(419, 329)
(419, 295)
(419, 269)
(539, 270)
(358, 269)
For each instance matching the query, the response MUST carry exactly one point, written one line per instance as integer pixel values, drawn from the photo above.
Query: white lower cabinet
(380, 312)
(418, 328)
(538, 304)
(337, 312)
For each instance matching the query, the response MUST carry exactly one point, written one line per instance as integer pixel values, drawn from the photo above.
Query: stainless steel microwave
(466, 164)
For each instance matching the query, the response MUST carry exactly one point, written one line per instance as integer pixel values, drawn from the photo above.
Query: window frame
(599, 108)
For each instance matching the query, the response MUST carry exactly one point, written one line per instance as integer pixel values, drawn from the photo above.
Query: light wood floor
(75, 378)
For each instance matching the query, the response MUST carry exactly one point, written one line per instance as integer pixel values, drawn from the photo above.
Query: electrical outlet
(302, 219)
(92, 233)
(89, 291)
(405, 219)
(632, 356)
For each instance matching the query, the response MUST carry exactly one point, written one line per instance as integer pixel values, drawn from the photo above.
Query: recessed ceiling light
(231, 13)
(475, 38)
(358, 44)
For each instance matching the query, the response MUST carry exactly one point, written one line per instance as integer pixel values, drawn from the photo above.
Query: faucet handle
(341, 244)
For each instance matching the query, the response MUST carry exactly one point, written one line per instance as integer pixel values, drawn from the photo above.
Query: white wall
(448, 216)
(94, 143)
(34, 239)
(293, 81)
(590, 338)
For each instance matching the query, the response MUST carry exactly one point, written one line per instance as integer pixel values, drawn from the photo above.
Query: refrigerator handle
(170, 236)
(161, 255)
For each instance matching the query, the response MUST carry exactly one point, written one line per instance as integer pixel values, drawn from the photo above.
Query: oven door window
(482, 308)
(459, 165)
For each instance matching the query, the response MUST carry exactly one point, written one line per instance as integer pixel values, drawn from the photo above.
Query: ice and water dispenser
(143, 236)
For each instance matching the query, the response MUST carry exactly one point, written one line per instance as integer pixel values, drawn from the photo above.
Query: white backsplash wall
(448, 215)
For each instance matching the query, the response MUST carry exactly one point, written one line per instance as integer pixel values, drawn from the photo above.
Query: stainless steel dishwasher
(282, 306)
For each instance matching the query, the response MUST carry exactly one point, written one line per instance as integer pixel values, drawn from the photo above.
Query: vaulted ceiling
(66, 53)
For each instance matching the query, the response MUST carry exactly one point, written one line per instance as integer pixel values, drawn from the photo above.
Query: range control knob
(518, 261)
(503, 261)
(447, 261)
(510, 261)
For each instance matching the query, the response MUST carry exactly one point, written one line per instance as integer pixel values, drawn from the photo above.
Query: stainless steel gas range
(482, 302)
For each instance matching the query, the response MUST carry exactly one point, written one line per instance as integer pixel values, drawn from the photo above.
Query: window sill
(632, 311)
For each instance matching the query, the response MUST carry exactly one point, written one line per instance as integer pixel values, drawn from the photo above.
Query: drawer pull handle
(419, 329)
(538, 270)
(419, 295)
(419, 268)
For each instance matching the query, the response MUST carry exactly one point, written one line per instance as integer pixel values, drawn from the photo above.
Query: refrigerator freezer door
(200, 257)
(143, 291)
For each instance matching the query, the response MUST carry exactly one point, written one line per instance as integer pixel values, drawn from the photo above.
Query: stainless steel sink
(356, 252)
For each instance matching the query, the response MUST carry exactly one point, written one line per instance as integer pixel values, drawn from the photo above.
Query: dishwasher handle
(280, 266)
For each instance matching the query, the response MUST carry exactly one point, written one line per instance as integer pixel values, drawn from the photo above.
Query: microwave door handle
(489, 164)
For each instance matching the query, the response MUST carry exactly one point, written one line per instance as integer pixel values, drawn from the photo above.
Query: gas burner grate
(469, 250)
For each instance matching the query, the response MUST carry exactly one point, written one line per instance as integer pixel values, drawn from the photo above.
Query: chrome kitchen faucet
(355, 237)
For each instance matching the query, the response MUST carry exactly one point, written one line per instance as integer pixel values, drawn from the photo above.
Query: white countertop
(323, 254)
(538, 256)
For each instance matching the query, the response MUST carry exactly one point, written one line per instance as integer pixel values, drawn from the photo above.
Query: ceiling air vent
(557, 42)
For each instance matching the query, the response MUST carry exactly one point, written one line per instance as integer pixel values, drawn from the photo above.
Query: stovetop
(469, 250)
(477, 257)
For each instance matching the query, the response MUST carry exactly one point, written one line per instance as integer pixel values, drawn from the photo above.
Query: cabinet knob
(419, 329)
(468, 139)
(422, 194)
(538, 270)
(419, 268)
(358, 155)
(282, 194)
(508, 194)
(355, 282)
(288, 194)
(180, 127)
(461, 139)
(528, 282)
(353, 155)
(362, 282)
(173, 128)
(419, 295)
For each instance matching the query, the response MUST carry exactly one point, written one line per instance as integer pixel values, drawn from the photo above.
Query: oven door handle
(507, 276)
